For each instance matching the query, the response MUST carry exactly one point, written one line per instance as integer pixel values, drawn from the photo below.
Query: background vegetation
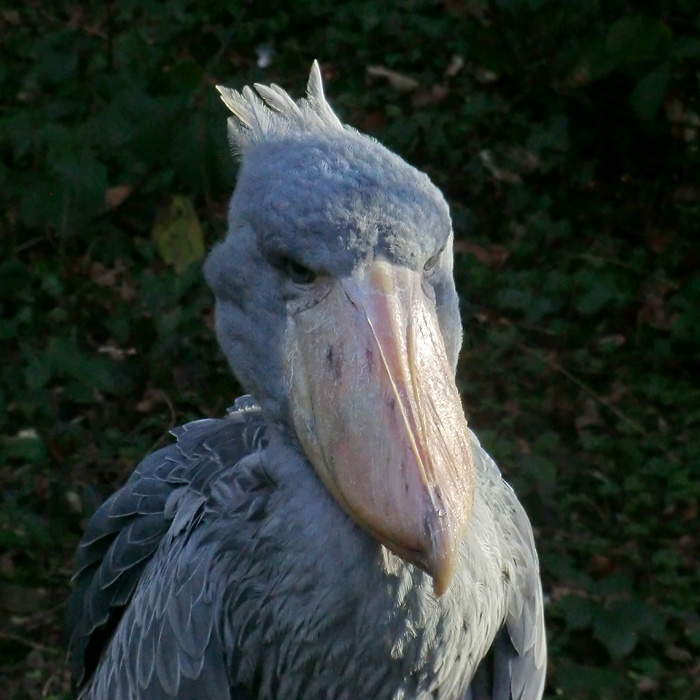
(565, 136)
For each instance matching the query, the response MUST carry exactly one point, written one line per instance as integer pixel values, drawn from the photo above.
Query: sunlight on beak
(376, 409)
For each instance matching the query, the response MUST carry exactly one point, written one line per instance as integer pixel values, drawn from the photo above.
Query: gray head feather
(320, 193)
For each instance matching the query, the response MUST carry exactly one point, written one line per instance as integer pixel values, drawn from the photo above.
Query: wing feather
(515, 667)
(141, 616)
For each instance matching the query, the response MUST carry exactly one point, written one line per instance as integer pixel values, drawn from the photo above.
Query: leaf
(649, 93)
(540, 470)
(620, 625)
(27, 446)
(487, 48)
(79, 179)
(617, 631)
(636, 39)
(66, 358)
(115, 196)
(595, 62)
(686, 47)
(586, 681)
(398, 81)
(578, 611)
(177, 234)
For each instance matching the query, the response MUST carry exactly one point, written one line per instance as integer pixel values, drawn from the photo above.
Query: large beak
(376, 409)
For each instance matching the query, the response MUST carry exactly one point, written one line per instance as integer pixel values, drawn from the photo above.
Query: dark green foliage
(564, 134)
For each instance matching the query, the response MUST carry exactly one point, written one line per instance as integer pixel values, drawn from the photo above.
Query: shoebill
(340, 534)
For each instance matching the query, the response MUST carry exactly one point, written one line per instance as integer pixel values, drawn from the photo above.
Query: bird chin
(376, 409)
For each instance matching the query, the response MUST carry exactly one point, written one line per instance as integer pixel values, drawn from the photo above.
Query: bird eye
(298, 273)
(432, 262)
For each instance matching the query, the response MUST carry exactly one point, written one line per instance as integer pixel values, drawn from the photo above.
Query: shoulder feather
(164, 498)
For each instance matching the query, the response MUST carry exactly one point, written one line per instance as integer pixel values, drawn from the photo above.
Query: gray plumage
(224, 568)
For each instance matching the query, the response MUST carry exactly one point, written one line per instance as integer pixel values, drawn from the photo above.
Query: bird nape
(340, 534)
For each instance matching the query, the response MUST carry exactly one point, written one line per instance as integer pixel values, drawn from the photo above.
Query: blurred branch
(553, 364)
(8, 636)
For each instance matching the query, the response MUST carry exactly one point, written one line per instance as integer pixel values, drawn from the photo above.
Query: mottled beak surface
(376, 409)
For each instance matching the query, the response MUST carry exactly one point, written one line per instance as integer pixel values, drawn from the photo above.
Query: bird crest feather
(277, 115)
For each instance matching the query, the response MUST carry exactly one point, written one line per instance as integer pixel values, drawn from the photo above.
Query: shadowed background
(565, 137)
